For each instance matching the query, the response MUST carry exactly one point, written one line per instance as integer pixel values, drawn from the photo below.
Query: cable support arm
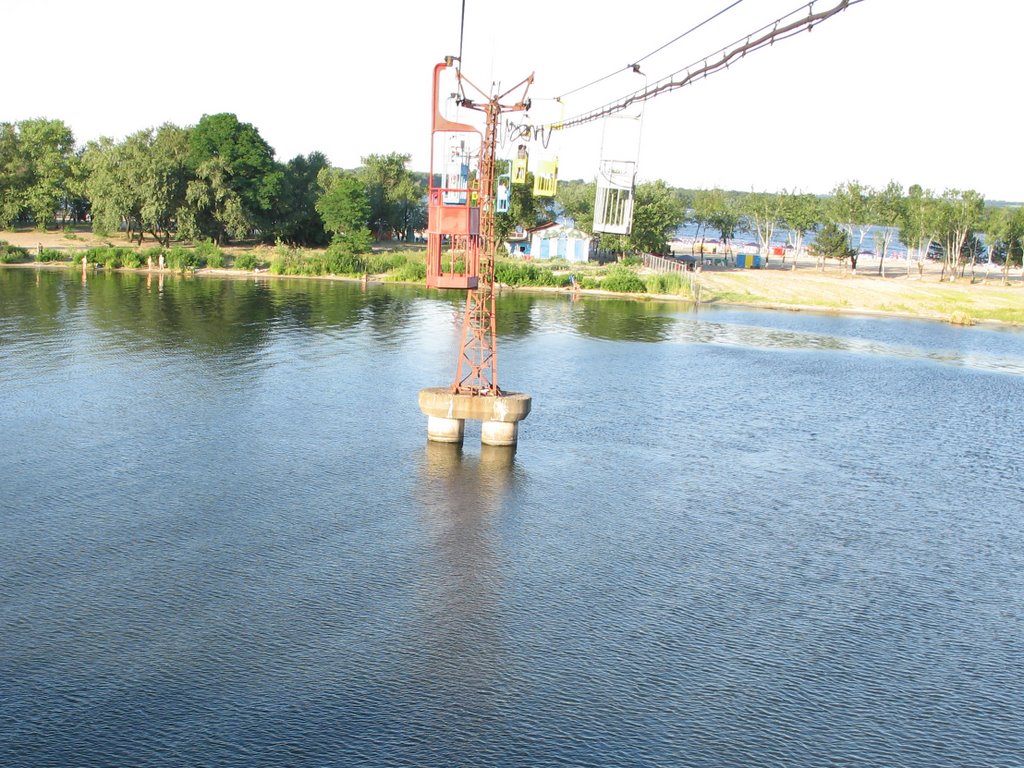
(519, 106)
(767, 35)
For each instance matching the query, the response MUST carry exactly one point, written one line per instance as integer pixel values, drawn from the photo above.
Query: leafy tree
(1004, 229)
(163, 183)
(959, 214)
(394, 193)
(36, 160)
(295, 218)
(139, 184)
(764, 211)
(213, 207)
(235, 156)
(801, 213)
(13, 175)
(850, 208)
(345, 209)
(657, 213)
(832, 243)
(718, 210)
(113, 199)
(886, 211)
(918, 223)
(75, 203)
(576, 200)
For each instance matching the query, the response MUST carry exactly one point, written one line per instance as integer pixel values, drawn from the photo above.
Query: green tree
(850, 208)
(720, 211)
(13, 175)
(344, 207)
(36, 169)
(764, 211)
(657, 213)
(295, 218)
(235, 156)
(576, 200)
(163, 182)
(918, 223)
(213, 206)
(112, 197)
(1004, 230)
(801, 214)
(886, 212)
(959, 214)
(395, 195)
(832, 242)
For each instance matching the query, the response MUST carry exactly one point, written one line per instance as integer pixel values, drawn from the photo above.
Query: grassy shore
(835, 290)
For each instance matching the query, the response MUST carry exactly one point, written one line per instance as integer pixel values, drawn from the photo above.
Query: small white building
(559, 241)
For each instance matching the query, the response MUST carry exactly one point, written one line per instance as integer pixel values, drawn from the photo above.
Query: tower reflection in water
(462, 652)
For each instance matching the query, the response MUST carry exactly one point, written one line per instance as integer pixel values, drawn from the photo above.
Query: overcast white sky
(920, 91)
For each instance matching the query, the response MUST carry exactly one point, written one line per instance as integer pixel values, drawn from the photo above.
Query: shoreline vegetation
(790, 285)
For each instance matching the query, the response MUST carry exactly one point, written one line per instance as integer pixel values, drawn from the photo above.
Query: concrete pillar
(499, 415)
(442, 430)
(499, 432)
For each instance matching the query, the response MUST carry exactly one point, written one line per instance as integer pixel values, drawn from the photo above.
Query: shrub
(673, 283)
(286, 260)
(633, 260)
(153, 253)
(130, 258)
(51, 254)
(340, 260)
(181, 258)
(247, 261)
(515, 274)
(411, 271)
(623, 280)
(11, 254)
(209, 254)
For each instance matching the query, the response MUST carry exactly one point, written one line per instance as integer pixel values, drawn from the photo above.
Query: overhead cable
(778, 30)
(636, 63)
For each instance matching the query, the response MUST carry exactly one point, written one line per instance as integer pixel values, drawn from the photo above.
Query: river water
(727, 538)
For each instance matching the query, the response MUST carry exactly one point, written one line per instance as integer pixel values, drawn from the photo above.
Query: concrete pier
(499, 416)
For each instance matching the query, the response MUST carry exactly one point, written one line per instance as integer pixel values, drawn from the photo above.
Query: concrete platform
(499, 415)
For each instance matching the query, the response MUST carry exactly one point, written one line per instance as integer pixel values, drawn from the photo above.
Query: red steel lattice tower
(461, 242)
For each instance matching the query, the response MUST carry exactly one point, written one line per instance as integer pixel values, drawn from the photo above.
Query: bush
(247, 261)
(411, 271)
(515, 274)
(12, 254)
(670, 283)
(623, 280)
(209, 254)
(340, 260)
(181, 258)
(633, 260)
(153, 253)
(111, 257)
(51, 254)
(130, 259)
(287, 261)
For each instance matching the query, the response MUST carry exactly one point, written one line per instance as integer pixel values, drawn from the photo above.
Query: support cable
(636, 63)
(462, 29)
(778, 30)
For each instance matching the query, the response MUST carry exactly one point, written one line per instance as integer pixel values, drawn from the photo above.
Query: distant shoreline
(804, 290)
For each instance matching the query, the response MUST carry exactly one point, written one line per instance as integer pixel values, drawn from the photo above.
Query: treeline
(219, 181)
(955, 226)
